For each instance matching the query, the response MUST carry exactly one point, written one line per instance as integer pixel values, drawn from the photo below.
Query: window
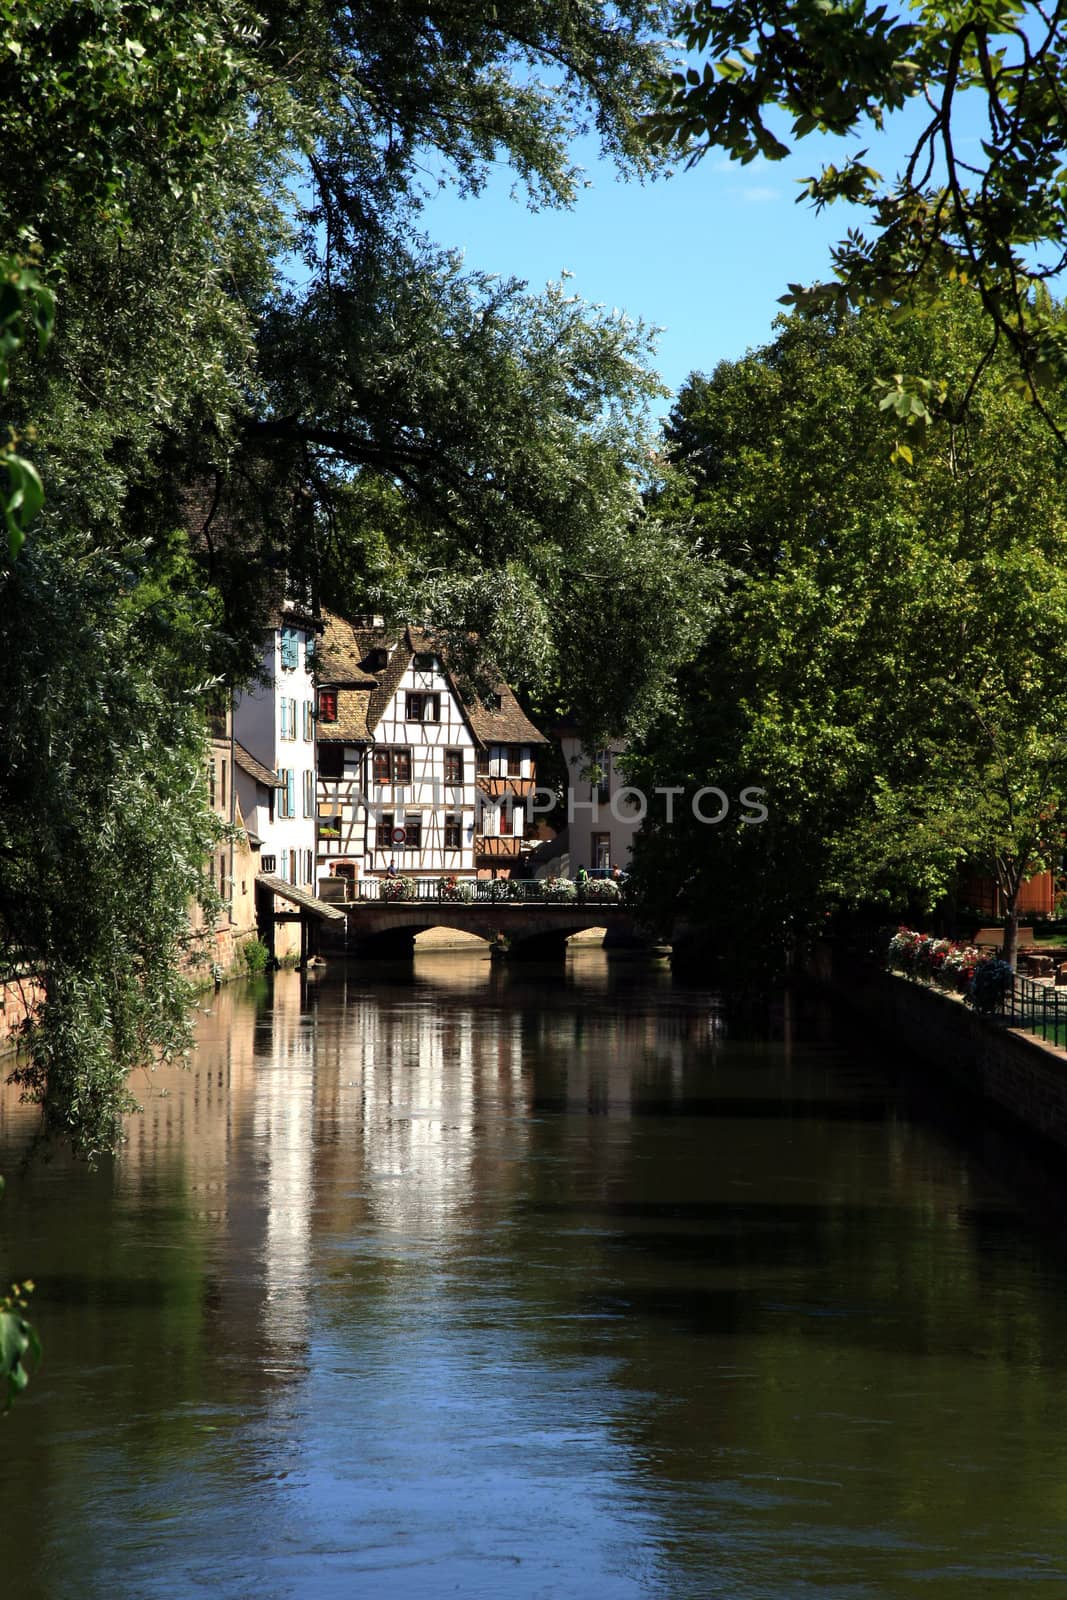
(392, 766)
(601, 845)
(290, 649)
(287, 794)
(603, 788)
(491, 702)
(309, 721)
(453, 834)
(481, 763)
(327, 705)
(211, 782)
(423, 707)
(268, 863)
(222, 877)
(375, 660)
(309, 794)
(504, 815)
(288, 715)
(331, 760)
(386, 824)
(514, 761)
(309, 867)
(453, 766)
(222, 784)
(425, 663)
(413, 831)
(285, 866)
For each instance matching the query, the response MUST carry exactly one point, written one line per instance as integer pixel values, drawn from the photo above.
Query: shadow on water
(451, 1277)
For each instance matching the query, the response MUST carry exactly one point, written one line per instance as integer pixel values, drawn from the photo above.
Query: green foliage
(19, 1345)
(263, 373)
(104, 824)
(26, 305)
(990, 986)
(991, 212)
(886, 662)
(255, 956)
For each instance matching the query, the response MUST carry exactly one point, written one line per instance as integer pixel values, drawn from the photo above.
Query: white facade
(408, 800)
(410, 779)
(601, 817)
(275, 721)
(421, 778)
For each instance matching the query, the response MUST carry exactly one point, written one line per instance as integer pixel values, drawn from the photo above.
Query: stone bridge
(534, 931)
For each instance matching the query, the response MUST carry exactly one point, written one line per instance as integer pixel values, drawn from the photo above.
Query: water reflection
(468, 1279)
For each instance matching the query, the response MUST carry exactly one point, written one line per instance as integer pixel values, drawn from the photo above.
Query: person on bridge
(581, 878)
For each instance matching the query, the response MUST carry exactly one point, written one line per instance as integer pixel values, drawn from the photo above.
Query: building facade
(414, 779)
(602, 816)
(274, 721)
(234, 863)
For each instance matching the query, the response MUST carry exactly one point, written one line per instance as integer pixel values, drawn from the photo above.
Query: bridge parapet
(601, 893)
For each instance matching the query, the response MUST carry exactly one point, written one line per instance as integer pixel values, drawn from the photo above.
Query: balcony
(499, 788)
(497, 847)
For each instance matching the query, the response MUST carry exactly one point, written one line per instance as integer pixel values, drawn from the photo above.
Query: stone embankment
(1005, 1068)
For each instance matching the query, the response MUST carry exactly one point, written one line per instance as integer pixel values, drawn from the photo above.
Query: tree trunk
(1011, 928)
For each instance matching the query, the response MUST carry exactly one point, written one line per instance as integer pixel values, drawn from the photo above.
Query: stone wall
(19, 998)
(1004, 1067)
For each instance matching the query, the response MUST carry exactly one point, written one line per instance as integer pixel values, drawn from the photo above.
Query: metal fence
(1039, 1008)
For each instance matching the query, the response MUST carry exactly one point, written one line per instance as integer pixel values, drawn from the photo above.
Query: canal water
(458, 1280)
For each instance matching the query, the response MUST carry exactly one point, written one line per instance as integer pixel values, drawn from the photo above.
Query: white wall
(588, 815)
(427, 794)
(257, 720)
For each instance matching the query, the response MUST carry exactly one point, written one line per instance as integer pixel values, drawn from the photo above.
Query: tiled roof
(340, 654)
(255, 769)
(509, 725)
(342, 650)
(299, 897)
(401, 652)
(351, 724)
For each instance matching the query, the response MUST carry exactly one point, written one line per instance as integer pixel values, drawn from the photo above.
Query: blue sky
(703, 255)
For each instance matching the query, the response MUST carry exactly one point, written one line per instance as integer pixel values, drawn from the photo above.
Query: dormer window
(425, 663)
(491, 701)
(375, 660)
(327, 705)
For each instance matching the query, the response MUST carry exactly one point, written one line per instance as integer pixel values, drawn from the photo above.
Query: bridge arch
(376, 927)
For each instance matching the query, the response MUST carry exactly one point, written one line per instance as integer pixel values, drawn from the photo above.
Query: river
(466, 1280)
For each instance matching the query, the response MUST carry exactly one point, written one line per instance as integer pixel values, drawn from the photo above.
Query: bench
(995, 937)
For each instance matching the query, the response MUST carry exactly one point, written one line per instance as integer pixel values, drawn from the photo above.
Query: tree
(886, 664)
(263, 373)
(993, 213)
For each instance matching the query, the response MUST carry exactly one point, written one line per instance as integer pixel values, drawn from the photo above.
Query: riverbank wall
(1006, 1069)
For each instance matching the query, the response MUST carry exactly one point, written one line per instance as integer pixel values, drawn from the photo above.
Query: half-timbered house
(414, 778)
